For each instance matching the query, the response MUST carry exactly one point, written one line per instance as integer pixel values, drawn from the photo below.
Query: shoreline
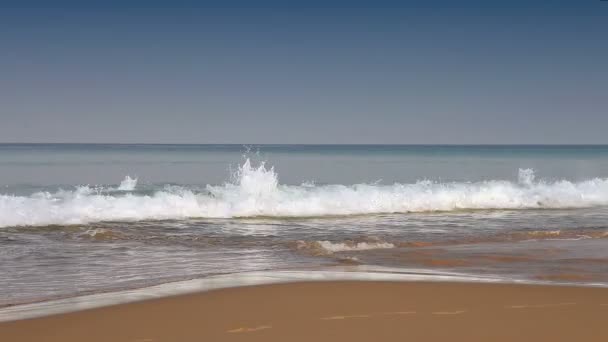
(360, 273)
(338, 310)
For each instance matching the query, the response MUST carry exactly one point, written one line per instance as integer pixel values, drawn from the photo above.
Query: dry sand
(339, 311)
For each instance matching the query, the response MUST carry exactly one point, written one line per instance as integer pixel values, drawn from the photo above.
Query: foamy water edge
(352, 273)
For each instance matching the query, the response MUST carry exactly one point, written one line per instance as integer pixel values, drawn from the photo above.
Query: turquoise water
(86, 218)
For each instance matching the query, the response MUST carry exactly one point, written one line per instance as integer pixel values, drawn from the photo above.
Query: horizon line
(308, 144)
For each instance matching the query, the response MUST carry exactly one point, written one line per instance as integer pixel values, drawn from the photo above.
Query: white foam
(256, 191)
(128, 184)
(358, 246)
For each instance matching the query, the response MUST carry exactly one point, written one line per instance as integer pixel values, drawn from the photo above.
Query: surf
(255, 190)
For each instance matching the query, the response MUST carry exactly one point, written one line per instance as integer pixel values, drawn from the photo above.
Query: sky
(288, 72)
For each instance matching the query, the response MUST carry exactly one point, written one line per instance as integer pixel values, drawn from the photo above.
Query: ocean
(89, 218)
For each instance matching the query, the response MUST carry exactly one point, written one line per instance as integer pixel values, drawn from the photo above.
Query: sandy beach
(339, 311)
(286, 171)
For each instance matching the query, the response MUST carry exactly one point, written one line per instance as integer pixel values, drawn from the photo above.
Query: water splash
(128, 184)
(526, 176)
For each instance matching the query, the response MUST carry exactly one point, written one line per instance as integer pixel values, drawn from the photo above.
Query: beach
(303, 243)
(339, 311)
(203, 171)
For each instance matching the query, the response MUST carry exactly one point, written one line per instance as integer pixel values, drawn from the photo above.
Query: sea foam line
(64, 305)
(357, 273)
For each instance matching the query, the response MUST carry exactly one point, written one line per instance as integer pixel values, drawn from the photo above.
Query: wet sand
(339, 311)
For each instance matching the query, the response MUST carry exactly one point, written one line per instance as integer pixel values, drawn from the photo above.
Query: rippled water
(476, 210)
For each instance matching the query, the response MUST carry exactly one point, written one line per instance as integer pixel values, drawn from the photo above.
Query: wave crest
(256, 191)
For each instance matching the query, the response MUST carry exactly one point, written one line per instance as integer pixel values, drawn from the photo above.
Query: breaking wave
(256, 191)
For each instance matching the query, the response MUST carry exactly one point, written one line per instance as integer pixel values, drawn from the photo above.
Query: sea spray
(128, 184)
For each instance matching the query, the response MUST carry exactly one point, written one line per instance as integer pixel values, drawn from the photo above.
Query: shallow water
(72, 222)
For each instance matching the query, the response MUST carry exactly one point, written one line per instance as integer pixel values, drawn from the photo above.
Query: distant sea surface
(86, 218)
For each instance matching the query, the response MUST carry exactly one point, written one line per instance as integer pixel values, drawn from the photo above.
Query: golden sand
(339, 311)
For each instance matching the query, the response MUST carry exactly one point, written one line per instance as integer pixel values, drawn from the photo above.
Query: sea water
(78, 219)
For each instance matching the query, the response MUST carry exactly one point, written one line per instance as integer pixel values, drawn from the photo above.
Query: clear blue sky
(308, 72)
